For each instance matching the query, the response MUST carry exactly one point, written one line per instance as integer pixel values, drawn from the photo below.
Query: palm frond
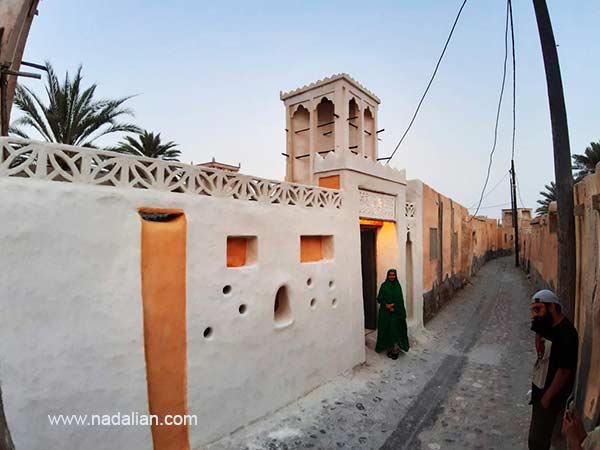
(71, 115)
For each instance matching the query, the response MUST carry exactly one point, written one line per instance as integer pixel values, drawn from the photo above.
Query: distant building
(220, 166)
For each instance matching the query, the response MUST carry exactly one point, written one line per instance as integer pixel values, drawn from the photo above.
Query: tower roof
(327, 80)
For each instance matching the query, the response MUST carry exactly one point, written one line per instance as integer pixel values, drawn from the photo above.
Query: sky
(207, 75)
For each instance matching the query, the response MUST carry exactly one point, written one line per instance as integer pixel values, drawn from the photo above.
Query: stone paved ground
(462, 386)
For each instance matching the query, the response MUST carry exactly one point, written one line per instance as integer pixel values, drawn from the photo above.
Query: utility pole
(562, 162)
(515, 212)
(4, 106)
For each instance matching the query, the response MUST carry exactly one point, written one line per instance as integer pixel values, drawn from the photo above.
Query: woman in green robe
(392, 332)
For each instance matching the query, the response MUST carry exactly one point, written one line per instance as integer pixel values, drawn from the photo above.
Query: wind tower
(335, 114)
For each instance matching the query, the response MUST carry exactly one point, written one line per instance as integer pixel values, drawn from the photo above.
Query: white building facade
(136, 285)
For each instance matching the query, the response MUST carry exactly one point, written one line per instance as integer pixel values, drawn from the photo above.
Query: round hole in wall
(334, 303)
(208, 331)
(227, 290)
(331, 284)
(313, 303)
(242, 309)
(309, 282)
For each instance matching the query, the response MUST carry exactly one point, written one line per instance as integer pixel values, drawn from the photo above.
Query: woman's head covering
(391, 291)
(387, 277)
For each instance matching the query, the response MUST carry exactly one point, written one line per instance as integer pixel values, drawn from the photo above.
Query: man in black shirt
(557, 344)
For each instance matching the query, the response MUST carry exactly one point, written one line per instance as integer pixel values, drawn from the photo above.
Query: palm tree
(586, 163)
(72, 115)
(149, 145)
(549, 195)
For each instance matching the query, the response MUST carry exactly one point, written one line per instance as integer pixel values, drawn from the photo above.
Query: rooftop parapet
(327, 80)
(351, 161)
(70, 164)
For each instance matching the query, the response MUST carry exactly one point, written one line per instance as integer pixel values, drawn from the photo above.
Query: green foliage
(72, 115)
(586, 164)
(149, 145)
(548, 196)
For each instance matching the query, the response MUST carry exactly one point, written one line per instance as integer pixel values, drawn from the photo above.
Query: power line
(514, 80)
(492, 206)
(429, 84)
(487, 178)
(519, 192)
(494, 188)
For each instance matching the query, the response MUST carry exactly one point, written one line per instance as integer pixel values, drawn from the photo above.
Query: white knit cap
(545, 296)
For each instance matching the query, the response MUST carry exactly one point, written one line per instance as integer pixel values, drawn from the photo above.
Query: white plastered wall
(71, 310)
(358, 173)
(414, 194)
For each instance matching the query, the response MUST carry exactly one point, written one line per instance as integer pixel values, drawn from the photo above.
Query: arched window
(325, 140)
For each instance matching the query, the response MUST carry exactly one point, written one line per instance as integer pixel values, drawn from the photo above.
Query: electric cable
(487, 178)
(492, 189)
(492, 206)
(519, 192)
(514, 80)
(429, 84)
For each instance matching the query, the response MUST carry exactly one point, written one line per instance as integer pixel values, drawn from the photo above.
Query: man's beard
(542, 325)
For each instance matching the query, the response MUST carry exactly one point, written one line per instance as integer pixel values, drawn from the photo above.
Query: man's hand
(390, 307)
(573, 429)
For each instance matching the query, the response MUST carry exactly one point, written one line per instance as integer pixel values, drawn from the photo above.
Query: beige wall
(475, 240)
(455, 219)
(540, 256)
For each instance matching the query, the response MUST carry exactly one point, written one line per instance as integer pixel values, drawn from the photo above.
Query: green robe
(391, 326)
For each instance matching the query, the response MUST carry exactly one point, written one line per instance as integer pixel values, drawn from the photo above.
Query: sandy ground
(463, 385)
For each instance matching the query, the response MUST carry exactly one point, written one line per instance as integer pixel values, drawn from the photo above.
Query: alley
(463, 385)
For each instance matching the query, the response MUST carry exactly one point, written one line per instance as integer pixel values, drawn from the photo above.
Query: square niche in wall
(241, 251)
(316, 248)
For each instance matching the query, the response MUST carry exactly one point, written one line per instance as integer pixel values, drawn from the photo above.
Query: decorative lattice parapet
(55, 162)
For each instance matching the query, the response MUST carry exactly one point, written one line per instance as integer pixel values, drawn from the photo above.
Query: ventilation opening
(208, 332)
(334, 303)
(316, 248)
(227, 290)
(159, 216)
(242, 309)
(331, 284)
(282, 309)
(241, 251)
(313, 303)
(309, 282)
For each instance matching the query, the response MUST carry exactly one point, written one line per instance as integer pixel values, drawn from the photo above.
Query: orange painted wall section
(311, 248)
(164, 305)
(236, 251)
(332, 182)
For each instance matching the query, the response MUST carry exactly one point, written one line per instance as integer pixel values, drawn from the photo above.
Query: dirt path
(462, 386)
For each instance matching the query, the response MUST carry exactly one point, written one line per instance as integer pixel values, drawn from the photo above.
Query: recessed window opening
(208, 332)
(309, 282)
(433, 244)
(242, 309)
(241, 251)
(331, 284)
(334, 303)
(282, 309)
(313, 303)
(316, 248)
(227, 290)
